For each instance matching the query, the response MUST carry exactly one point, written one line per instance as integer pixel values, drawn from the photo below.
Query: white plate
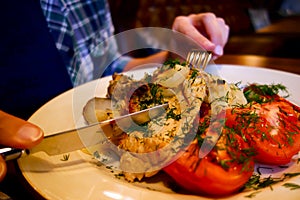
(81, 178)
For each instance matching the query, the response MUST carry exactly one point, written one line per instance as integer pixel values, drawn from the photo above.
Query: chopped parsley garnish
(172, 63)
(156, 93)
(171, 114)
(262, 93)
(194, 75)
(149, 95)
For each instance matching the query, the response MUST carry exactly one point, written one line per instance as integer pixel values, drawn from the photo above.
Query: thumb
(18, 133)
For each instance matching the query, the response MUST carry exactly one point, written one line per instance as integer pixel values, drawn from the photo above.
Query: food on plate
(269, 123)
(264, 130)
(223, 171)
(145, 148)
(97, 109)
(209, 137)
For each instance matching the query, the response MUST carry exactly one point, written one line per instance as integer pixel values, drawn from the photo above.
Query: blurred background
(257, 27)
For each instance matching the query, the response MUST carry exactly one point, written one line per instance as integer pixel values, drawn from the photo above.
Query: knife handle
(9, 153)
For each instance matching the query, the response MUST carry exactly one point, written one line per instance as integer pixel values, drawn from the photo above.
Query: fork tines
(199, 58)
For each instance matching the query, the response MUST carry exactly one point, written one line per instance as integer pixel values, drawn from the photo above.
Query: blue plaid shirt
(82, 30)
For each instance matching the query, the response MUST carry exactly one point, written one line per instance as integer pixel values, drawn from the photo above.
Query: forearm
(138, 63)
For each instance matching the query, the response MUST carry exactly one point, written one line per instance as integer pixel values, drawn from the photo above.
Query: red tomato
(223, 171)
(269, 126)
(272, 128)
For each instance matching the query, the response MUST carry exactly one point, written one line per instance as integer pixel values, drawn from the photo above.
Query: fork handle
(9, 153)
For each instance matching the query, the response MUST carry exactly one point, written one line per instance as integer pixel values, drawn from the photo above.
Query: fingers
(209, 31)
(18, 133)
(185, 26)
(213, 27)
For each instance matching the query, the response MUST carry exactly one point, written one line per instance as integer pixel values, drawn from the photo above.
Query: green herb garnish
(172, 115)
(263, 93)
(253, 194)
(171, 63)
(65, 157)
(292, 186)
(256, 182)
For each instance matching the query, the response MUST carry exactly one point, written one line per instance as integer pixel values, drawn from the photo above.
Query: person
(17, 133)
(85, 29)
(42, 59)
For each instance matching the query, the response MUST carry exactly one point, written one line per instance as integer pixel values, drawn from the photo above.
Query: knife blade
(78, 138)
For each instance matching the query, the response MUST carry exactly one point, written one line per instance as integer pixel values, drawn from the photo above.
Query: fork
(199, 58)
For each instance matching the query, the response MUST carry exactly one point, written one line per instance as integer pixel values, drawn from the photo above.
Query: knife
(78, 138)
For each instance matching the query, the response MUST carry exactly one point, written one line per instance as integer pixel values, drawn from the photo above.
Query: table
(287, 25)
(284, 64)
(16, 186)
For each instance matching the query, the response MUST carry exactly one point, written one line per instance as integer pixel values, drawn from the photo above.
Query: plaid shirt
(82, 30)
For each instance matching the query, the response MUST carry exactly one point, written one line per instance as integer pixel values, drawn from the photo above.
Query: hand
(17, 133)
(209, 31)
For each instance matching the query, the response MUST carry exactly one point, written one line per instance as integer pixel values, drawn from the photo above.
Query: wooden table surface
(289, 25)
(283, 64)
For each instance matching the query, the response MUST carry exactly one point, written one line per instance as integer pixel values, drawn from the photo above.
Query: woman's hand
(17, 133)
(209, 31)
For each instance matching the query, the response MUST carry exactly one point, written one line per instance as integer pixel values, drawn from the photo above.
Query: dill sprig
(65, 157)
(292, 186)
(262, 93)
(256, 182)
